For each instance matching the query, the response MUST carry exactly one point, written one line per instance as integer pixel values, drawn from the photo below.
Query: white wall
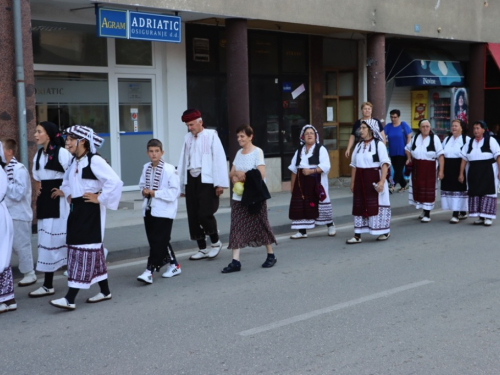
(175, 100)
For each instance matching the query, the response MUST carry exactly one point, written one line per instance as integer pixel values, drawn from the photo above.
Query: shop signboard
(419, 107)
(114, 23)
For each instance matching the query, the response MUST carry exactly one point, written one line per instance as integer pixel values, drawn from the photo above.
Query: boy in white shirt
(18, 202)
(160, 188)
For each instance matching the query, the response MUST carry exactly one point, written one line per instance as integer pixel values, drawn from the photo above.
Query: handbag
(320, 190)
(408, 168)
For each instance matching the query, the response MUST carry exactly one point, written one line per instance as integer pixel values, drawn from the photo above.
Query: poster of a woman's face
(461, 105)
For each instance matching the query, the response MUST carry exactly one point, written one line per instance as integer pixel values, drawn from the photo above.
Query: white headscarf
(373, 125)
(84, 132)
(302, 142)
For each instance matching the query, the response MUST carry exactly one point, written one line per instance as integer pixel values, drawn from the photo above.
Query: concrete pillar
(375, 62)
(477, 58)
(316, 73)
(8, 97)
(238, 101)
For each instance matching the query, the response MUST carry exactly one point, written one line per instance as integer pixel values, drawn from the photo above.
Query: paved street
(424, 302)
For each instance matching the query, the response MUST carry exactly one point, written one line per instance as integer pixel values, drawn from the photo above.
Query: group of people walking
(74, 186)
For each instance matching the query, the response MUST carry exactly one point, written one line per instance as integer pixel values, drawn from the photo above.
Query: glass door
(135, 113)
(295, 102)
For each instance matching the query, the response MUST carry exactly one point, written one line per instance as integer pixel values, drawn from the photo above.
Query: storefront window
(67, 99)
(133, 52)
(67, 44)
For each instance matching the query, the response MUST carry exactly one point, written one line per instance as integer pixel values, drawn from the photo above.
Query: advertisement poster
(419, 107)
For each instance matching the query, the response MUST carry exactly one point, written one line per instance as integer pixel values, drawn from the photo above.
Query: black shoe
(232, 267)
(269, 262)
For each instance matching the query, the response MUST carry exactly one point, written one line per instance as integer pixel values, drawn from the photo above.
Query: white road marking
(326, 310)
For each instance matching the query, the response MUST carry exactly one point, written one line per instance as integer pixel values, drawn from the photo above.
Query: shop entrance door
(136, 117)
(278, 116)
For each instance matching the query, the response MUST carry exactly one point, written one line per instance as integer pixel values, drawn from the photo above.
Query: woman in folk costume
(426, 154)
(310, 166)
(91, 185)
(454, 195)
(371, 207)
(7, 301)
(49, 165)
(482, 156)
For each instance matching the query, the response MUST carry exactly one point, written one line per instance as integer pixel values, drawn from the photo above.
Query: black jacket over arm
(255, 191)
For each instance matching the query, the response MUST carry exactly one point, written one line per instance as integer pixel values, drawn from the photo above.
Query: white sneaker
(421, 216)
(488, 222)
(172, 270)
(214, 251)
(65, 273)
(425, 219)
(42, 292)
(63, 303)
(454, 220)
(99, 297)
(298, 236)
(462, 217)
(332, 231)
(201, 254)
(479, 221)
(146, 277)
(28, 279)
(6, 308)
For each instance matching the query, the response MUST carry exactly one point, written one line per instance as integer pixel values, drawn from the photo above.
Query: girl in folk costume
(49, 166)
(7, 301)
(310, 166)
(426, 154)
(90, 186)
(454, 195)
(160, 188)
(482, 154)
(371, 207)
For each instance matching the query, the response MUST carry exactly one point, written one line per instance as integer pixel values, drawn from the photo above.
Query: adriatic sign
(113, 23)
(156, 27)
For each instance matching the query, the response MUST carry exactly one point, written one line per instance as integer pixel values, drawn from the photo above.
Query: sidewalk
(125, 237)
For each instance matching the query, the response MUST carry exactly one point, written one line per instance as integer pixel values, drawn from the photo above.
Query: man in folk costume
(371, 207)
(91, 186)
(18, 201)
(203, 174)
(7, 301)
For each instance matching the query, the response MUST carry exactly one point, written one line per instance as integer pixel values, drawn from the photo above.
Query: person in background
(249, 223)
(454, 195)
(425, 152)
(310, 166)
(366, 110)
(371, 207)
(398, 134)
(18, 201)
(483, 156)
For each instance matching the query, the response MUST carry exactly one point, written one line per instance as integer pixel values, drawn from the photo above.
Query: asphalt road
(424, 302)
